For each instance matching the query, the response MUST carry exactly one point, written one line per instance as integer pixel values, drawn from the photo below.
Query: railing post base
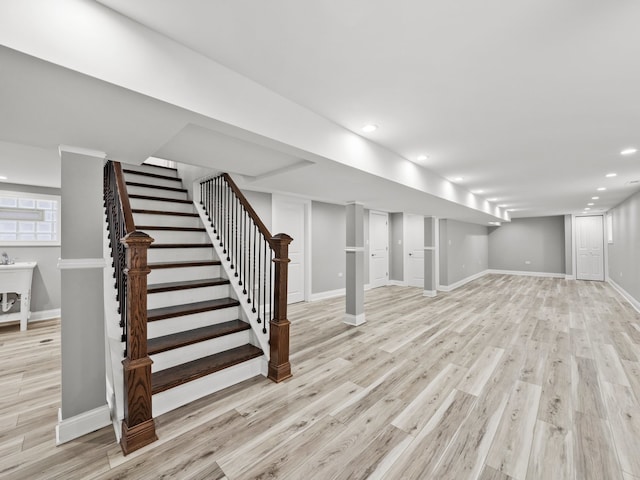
(138, 436)
(279, 365)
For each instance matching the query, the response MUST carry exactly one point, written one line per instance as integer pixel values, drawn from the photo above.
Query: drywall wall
(396, 247)
(45, 286)
(624, 252)
(191, 173)
(568, 241)
(261, 203)
(82, 331)
(537, 240)
(463, 250)
(328, 242)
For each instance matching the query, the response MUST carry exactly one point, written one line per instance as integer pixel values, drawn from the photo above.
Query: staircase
(197, 335)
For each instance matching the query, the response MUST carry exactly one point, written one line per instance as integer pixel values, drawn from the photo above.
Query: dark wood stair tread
(180, 245)
(186, 263)
(152, 175)
(159, 166)
(159, 187)
(159, 199)
(189, 337)
(185, 285)
(163, 212)
(171, 229)
(181, 374)
(190, 308)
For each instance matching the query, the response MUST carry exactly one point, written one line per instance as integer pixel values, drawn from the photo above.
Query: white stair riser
(169, 326)
(179, 254)
(189, 295)
(176, 236)
(151, 169)
(166, 220)
(160, 182)
(164, 275)
(156, 192)
(178, 356)
(142, 204)
(173, 398)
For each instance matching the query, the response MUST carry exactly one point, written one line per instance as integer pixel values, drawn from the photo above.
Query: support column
(354, 308)
(83, 383)
(430, 256)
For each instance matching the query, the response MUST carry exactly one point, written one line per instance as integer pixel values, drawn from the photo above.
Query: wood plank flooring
(505, 378)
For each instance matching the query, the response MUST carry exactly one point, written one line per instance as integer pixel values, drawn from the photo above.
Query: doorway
(414, 250)
(290, 216)
(379, 249)
(590, 248)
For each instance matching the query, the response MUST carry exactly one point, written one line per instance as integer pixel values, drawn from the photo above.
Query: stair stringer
(249, 317)
(114, 346)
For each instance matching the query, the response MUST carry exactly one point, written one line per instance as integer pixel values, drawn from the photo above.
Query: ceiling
(529, 102)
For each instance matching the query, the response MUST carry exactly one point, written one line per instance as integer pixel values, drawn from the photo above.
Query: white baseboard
(398, 283)
(630, 298)
(354, 320)
(429, 293)
(44, 315)
(340, 292)
(33, 316)
(315, 297)
(527, 274)
(464, 281)
(71, 428)
(569, 277)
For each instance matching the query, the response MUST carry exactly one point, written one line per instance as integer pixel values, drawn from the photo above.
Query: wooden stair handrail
(138, 426)
(226, 225)
(125, 205)
(252, 213)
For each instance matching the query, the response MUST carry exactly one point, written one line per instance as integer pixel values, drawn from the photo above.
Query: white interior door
(590, 248)
(414, 250)
(379, 249)
(289, 216)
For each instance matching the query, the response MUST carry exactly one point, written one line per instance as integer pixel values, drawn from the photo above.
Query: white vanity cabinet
(17, 278)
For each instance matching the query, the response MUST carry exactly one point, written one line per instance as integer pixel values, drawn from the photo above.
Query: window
(29, 219)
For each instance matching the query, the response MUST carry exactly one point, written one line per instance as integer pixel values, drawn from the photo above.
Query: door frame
(405, 249)
(275, 197)
(386, 215)
(574, 245)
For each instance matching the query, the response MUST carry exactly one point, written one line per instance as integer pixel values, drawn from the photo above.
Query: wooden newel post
(279, 366)
(138, 427)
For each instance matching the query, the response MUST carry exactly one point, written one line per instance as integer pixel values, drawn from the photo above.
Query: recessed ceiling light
(2, 177)
(601, 189)
(458, 179)
(595, 198)
(502, 206)
(369, 128)
(477, 192)
(628, 151)
(492, 199)
(591, 204)
(611, 175)
(422, 158)
(587, 209)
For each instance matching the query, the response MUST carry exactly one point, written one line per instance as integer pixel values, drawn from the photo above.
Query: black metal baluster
(228, 233)
(247, 281)
(232, 232)
(271, 299)
(244, 249)
(237, 233)
(264, 286)
(253, 284)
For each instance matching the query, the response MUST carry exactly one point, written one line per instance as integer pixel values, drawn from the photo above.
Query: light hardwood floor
(506, 377)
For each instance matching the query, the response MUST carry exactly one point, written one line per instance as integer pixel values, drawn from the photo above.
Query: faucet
(5, 258)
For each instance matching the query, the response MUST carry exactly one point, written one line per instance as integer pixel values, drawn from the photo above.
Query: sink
(17, 278)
